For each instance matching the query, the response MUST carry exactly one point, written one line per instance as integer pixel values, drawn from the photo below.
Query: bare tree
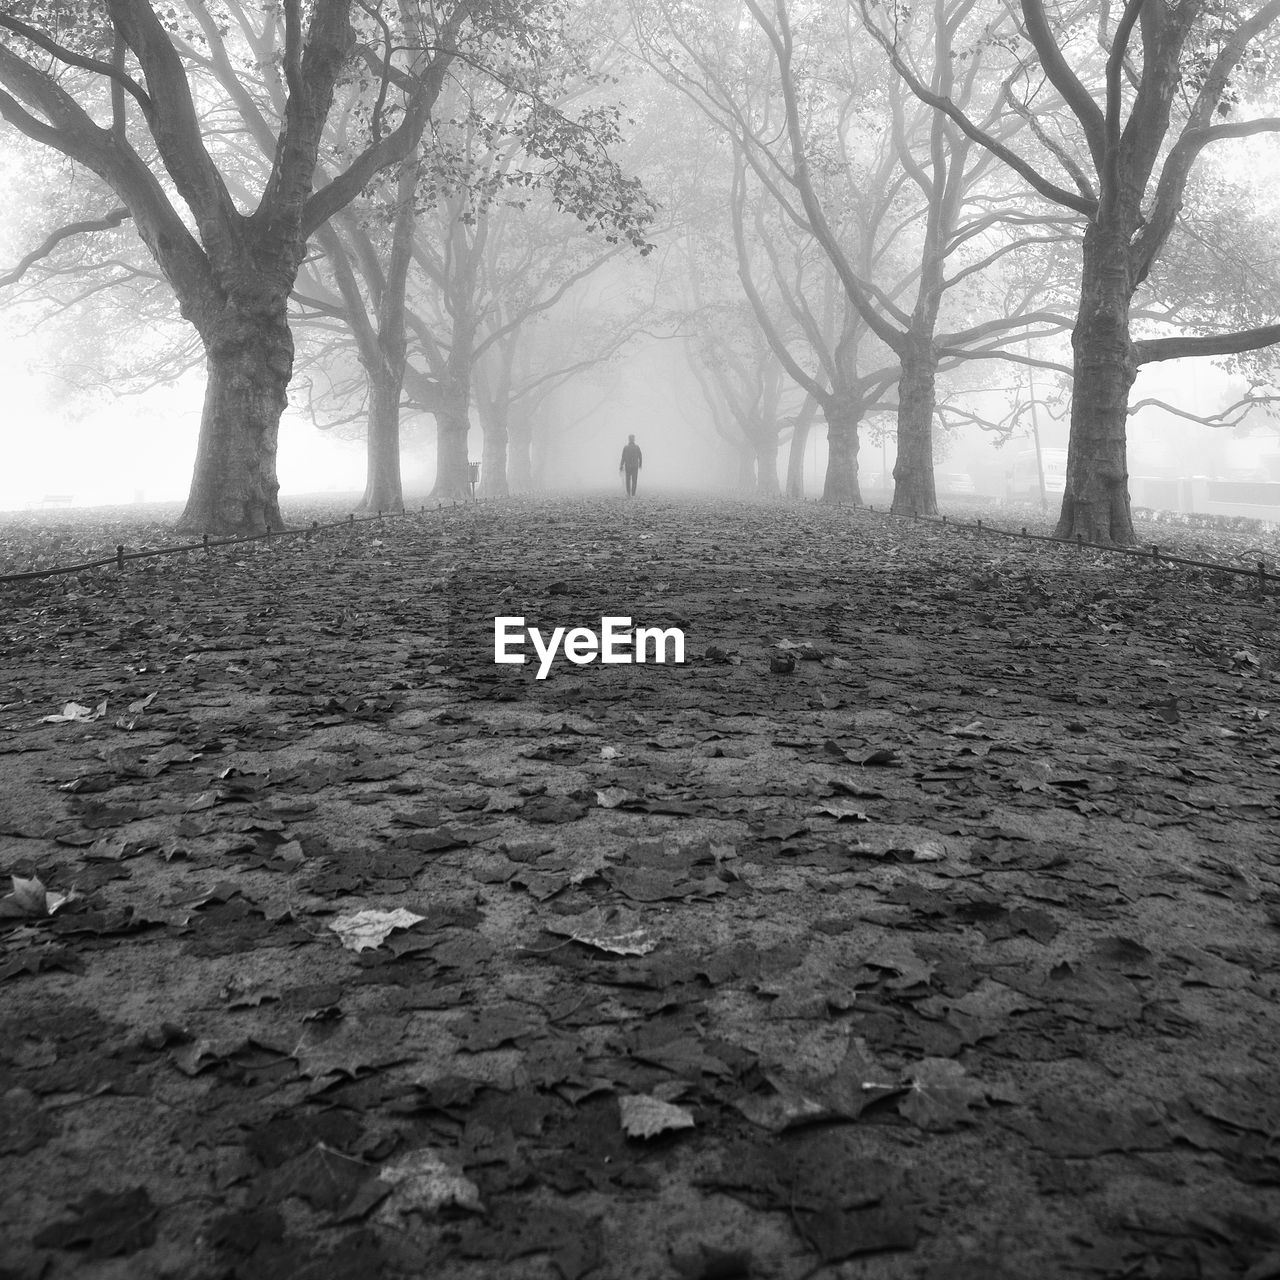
(931, 217)
(1163, 89)
(233, 275)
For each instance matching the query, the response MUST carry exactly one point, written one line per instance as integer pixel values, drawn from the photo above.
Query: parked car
(1022, 475)
(957, 482)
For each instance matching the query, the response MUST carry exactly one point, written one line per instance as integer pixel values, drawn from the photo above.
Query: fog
(679, 253)
(118, 450)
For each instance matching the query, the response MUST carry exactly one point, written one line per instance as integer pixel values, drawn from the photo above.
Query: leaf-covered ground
(924, 923)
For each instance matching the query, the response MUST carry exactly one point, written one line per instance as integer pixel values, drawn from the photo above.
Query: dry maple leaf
(424, 1181)
(367, 929)
(74, 711)
(29, 897)
(646, 1117)
(614, 932)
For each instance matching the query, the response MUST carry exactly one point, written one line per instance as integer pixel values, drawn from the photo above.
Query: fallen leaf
(706, 1262)
(29, 897)
(322, 1176)
(940, 1095)
(974, 729)
(787, 1108)
(74, 711)
(23, 1125)
(837, 1233)
(105, 1225)
(646, 1117)
(612, 797)
(611, 931)
(370, 928)
(843, 811)
(424, 1181)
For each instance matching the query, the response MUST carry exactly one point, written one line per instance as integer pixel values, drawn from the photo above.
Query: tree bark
(913, 490)
(453, 426)
(766, 448)
(746, 463)
(493, 467)
(841, 484)
(795, 458)
(249, 360)
(383, 491)
(1095, 504)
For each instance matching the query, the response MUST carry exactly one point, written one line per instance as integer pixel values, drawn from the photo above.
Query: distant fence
(123, 555)
(1258, 571)
(1247, 499)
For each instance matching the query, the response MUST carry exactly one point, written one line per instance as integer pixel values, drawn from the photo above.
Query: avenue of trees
(836, 214)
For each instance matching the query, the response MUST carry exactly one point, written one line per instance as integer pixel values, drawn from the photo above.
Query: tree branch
(1195, 136)
(86, 227)
(1055, 148)
(74, 134)
(114, 73)
(1076, 96)
(1222, 418)
(396, 145)
(174, 125)
(1236, 129)
(1037, 180)
(779, 38)
(1150, 350)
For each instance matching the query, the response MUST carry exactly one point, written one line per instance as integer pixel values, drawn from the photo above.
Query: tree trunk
(453, 474)
(841, 484)
(383, 491)
(766, 446)
(746, 461)
(1096, 501)
(249, 361)
(493, 467)
(913, 491)
(519, 455)
(795, 458)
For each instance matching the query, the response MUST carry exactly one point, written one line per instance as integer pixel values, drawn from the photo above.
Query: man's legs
(632, 473)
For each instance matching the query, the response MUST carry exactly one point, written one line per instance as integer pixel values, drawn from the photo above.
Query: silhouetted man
(630, 464)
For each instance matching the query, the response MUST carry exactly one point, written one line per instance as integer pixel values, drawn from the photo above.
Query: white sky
(120, 447)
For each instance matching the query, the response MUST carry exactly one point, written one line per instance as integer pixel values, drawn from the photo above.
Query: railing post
(120, 555)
